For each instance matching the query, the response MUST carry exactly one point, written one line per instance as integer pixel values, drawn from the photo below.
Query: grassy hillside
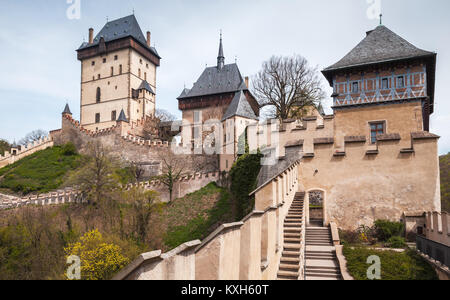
(196, 215)
(445, 181)
(41, 172)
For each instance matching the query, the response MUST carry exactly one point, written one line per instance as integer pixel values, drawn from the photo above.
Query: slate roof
(216, 81)
(121, 28)
(146, 86)
(184, 93)
(240, 107)
(380, 45)
(122, 117)
(67, 110)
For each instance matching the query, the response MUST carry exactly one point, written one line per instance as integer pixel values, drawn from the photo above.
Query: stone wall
(127, 147)
(438, 227)
(24, 151)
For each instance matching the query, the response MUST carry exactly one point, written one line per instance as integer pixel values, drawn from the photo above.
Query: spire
(67, 110)
(122, 117)
(221, 57)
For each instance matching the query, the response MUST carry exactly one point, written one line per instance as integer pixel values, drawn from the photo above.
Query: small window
(104, 60)
(116, 57)
(146, 66)
(385, 84)
(400, 82)
(93, 63)
(355, 87)
(376, 128)
(98, 95)
(98, 76)
(145, 76)
(140, 61)
(139, 73)
(113, 115)
(97, 118)
(120, 69)
(112, 71)
(226, 163)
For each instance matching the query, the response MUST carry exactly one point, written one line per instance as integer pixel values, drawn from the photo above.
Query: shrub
(396, 242)
(243, 176)
(69, 149)
(99, 260)
(386, 229)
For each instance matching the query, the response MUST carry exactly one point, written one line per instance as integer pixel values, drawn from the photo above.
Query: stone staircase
(290, 259)
(320, 255)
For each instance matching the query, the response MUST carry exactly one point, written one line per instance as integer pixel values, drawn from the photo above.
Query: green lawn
(394, 266)
(40, 172)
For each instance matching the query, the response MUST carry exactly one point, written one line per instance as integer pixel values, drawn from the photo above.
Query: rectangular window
(104, 60)
(400, 82)
(112, 71)
(385, 84)
(93, 63)
(196, 116)
(97, 118)
(116, 57)
(98, 76)
(113, 115)
(120, 69)
(376, 128)
(355, 87)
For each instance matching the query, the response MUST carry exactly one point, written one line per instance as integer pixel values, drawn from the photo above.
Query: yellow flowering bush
(99, 260)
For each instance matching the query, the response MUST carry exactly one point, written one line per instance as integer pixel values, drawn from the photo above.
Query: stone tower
(118, 72)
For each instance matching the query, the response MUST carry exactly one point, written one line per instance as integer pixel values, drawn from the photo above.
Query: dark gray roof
(217, 81)
(146, 86)
(380, 45)
(67, 110)
(122, 117)
(240, 107)
(184, 93)
(121, 28)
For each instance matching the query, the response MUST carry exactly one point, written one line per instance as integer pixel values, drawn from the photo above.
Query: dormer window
(355, 87)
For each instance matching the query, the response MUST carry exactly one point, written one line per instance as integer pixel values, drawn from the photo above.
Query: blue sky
(39, 71)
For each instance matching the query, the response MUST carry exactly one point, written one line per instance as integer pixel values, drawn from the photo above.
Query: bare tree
(33, 136)
(173, 167)
(288, 84)
(164, 116)
(4, 146)
(96, 179)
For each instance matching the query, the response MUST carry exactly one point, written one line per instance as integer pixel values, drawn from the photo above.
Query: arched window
(139, 73)
(99, 94)
(120, 69)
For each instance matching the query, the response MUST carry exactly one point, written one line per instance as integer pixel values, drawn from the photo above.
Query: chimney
(91, 35)
(246, 81)
(148, 38)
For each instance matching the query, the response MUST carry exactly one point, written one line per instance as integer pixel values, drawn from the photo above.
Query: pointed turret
(67, 110)
(220, 57)
(122, 117)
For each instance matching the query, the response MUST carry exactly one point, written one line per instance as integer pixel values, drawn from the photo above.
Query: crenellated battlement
(17, 153)
(52, 198)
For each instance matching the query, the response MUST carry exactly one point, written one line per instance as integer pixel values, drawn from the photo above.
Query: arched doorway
(316, 207)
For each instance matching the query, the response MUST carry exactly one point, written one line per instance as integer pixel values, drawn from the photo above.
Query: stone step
(291, 247)
(288, 275)
(316, 276)
(289, 267)
(292, 235)
(292, 240)
(293, 221)
(293, 225)
(319, 257)
(290, 260)
(294, 254)
(322, 272)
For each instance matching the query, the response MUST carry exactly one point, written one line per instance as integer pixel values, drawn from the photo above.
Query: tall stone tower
(118, 72)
